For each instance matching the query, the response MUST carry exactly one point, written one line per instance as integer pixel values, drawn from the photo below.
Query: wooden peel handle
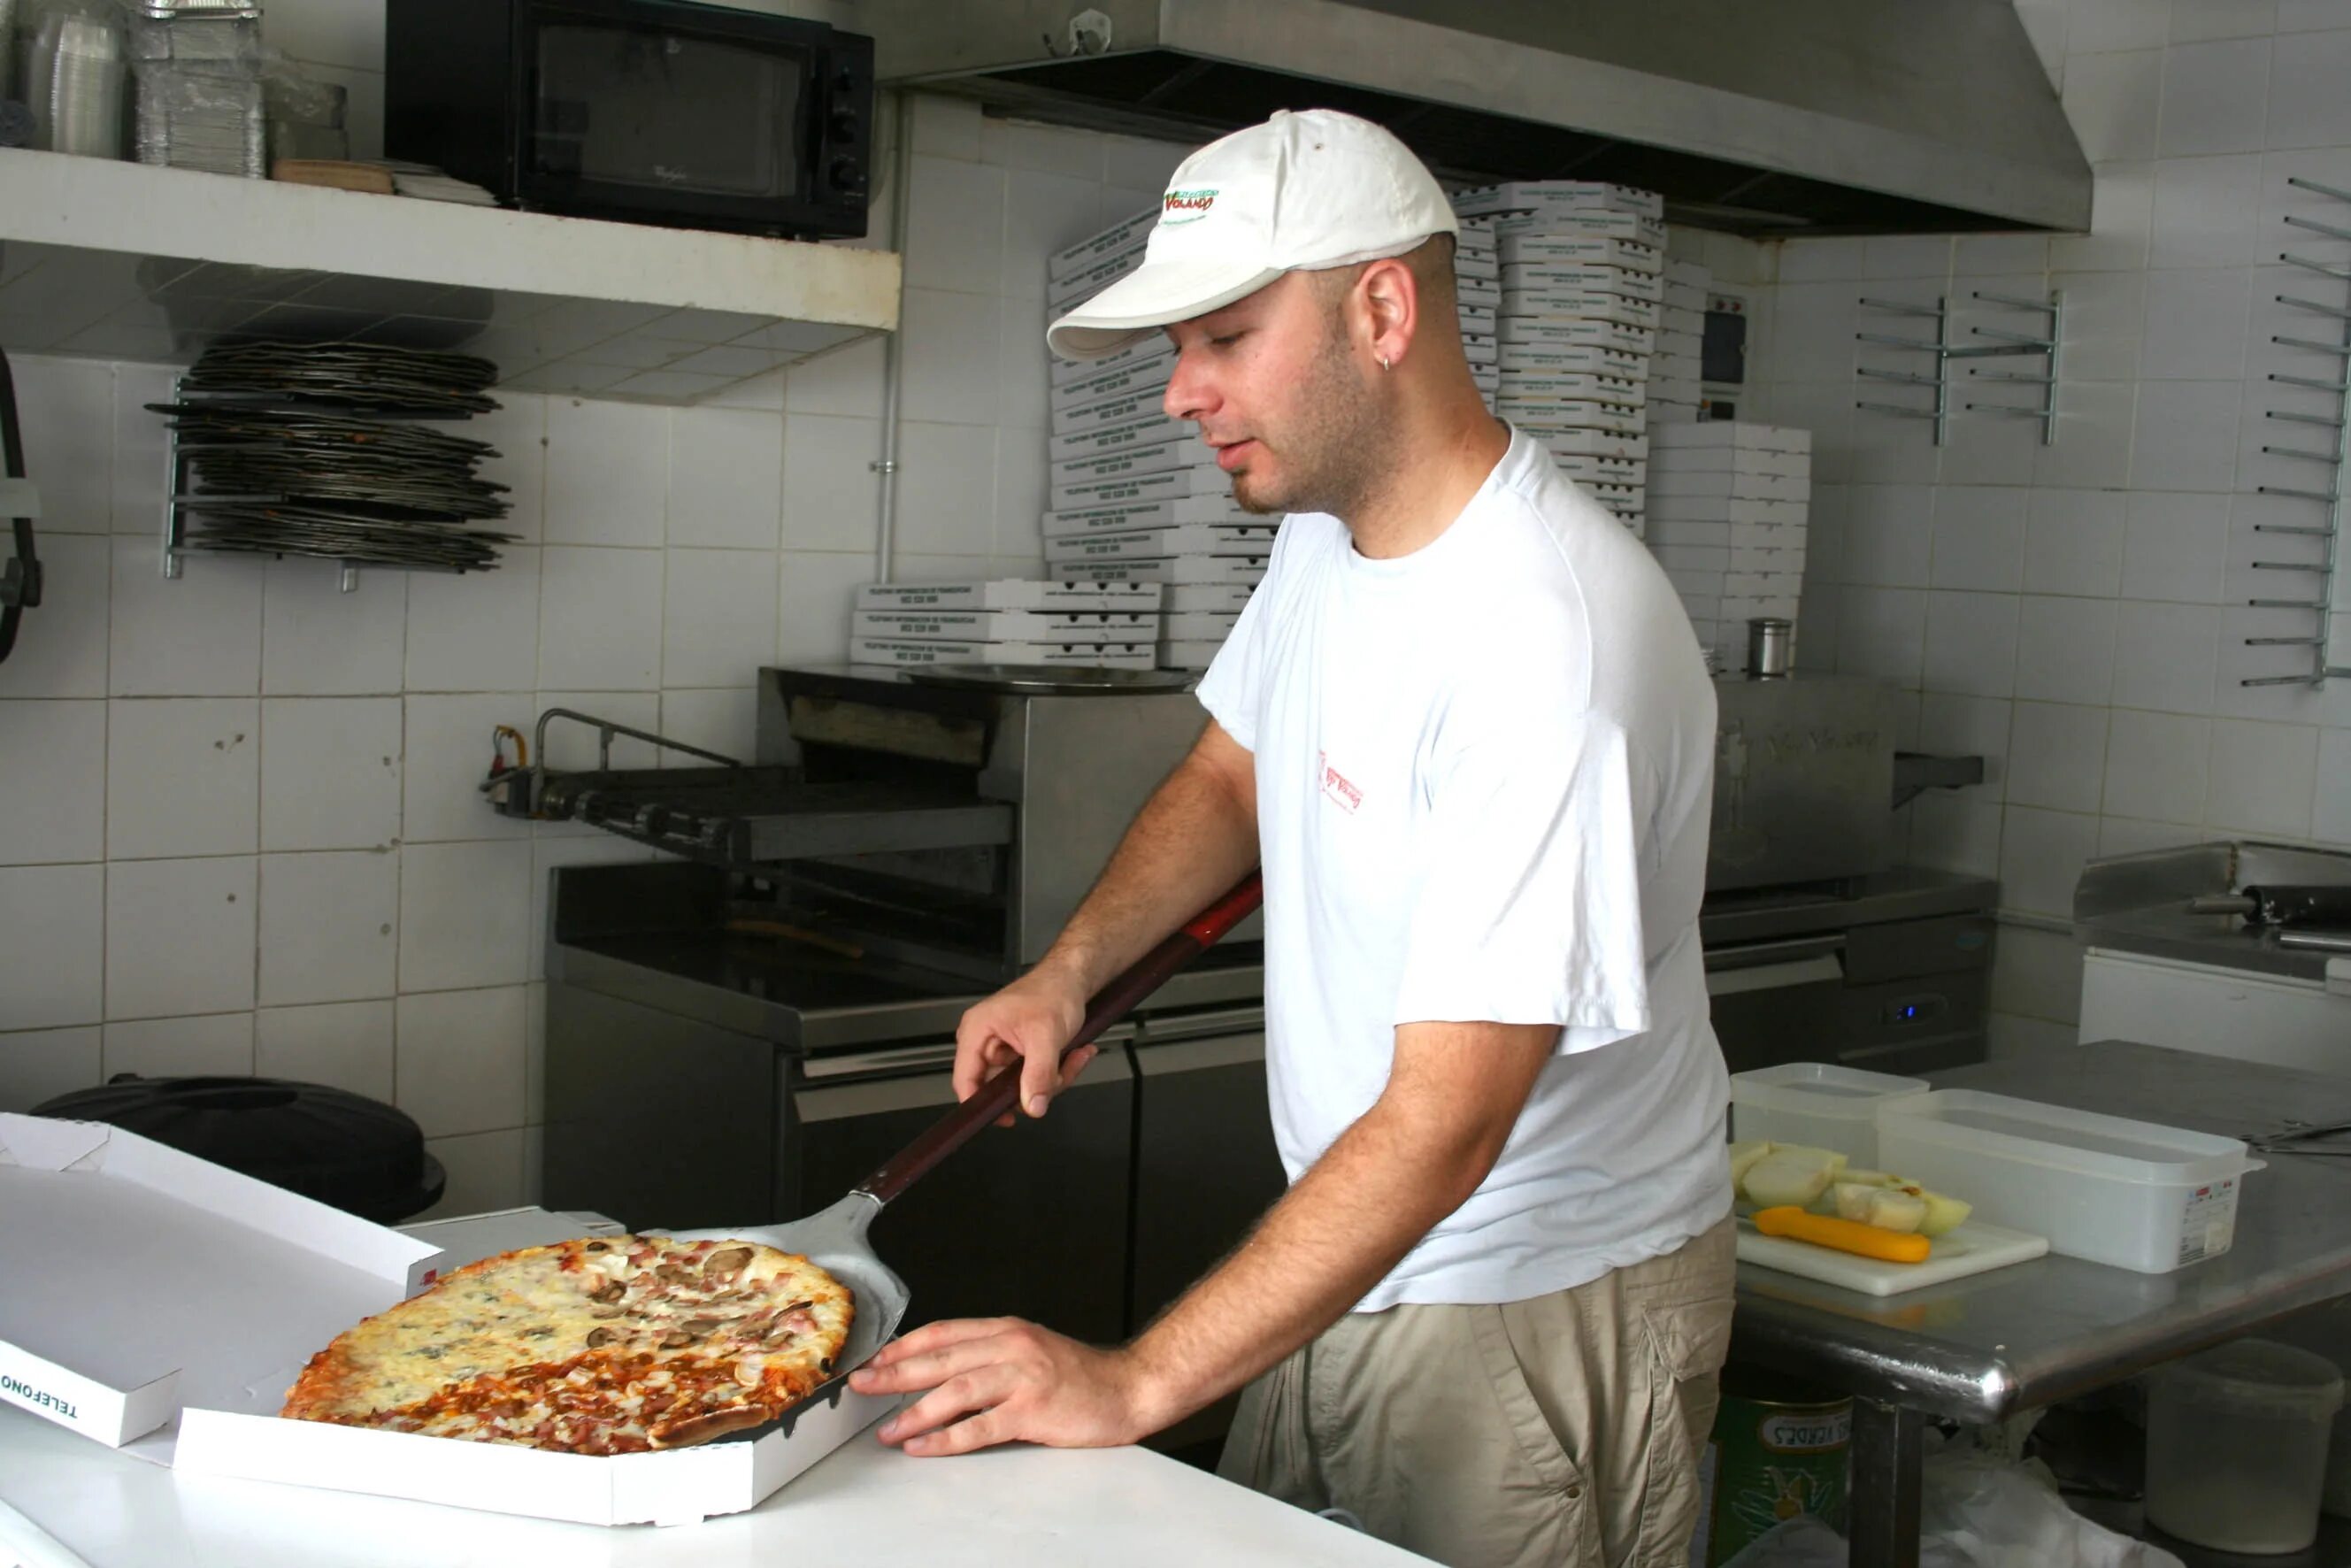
(1000, 1093)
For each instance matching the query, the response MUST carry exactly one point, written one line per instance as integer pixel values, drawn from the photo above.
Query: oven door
(1029, 1221)
(1776, 1002)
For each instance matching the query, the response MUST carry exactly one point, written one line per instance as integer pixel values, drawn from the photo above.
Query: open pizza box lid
(137, 1276)
(171, 1287)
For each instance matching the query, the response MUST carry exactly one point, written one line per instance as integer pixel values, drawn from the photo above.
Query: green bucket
(1779, 1452)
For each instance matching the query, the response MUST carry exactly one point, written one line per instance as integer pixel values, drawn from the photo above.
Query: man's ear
(1388, 297)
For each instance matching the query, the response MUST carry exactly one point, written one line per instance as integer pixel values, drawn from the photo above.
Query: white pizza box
(1725, 509)
(1673, 389)
(1056, 596)
(1196, 653)
(1003, 626)
(1689, 273)
(1124, 407)
(1570, 413)
(1227, 598)
(1589, 224)
(1175, 570)
(1628, 390)
(1217, 507)
(1717, 531)
(1604, 470)
(1691, 366)
(1557, 196)
(1615, 497)
(1477, 232)
(1576, 305)
(1592, 251)
(1142, 352)
(1570, 277)
(1061, 293)
(1561, 257)
(1682, 343)
(1727, 558)
(1485, 291)
(1477, 319)
(1153, 429)
(676, 1488)
(1737, 460)
(1184, 538)
(1592, 444)
(140, 1281)
(1478, 265)
(1197, 625)
(1126, 235)
(1092, 655)
(1571, 358)
(1683, 295)
(1479, 348)
(1139, 376)
(1671, 411)
(1098, 481)
(1675, 480)
(1559, 332)
(1746, 434)
(1118, 517)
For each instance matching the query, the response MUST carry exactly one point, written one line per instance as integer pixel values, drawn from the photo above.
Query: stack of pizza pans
(309, 449)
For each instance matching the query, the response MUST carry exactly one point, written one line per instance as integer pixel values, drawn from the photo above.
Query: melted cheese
(597, 1344)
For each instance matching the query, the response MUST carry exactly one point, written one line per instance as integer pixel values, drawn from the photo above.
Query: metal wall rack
(2006, 345)
(2327, 491)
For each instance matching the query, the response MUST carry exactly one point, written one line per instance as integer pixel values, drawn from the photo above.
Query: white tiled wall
(241, 831)
(2076, 612)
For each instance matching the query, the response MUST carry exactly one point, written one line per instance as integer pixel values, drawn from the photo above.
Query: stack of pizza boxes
(1728, 500)
(1478, 284)
(1581, 270)
(1136, 501)
(1676, 371)
(1022, 621)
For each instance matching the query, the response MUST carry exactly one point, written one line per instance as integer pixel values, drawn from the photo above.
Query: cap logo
(1186, 206)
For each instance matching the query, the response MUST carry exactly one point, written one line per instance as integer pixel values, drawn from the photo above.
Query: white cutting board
(1971, 1249)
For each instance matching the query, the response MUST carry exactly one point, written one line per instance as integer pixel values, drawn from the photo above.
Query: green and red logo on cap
(1186, 206)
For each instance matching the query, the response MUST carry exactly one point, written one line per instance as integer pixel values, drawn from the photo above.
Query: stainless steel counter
(2138, 904)
(2015, 1338)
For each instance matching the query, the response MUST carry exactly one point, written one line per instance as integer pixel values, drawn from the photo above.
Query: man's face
(1273, 381)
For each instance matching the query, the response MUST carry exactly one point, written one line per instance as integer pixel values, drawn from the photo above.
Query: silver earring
(1383, 362)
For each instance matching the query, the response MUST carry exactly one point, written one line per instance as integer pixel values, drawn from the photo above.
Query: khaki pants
(1563, 1430)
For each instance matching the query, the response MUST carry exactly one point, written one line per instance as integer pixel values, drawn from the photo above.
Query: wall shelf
(113, 260)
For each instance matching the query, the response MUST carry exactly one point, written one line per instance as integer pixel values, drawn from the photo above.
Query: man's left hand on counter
(1008, 1381)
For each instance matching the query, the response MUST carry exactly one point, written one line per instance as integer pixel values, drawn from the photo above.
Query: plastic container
(1818, 1104)
(2133, 1194)
(2236, 1446)
(2326, 1331)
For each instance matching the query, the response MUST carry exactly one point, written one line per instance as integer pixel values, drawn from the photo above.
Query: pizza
(612, 1344)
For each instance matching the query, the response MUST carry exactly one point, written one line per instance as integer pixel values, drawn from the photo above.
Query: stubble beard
(1334, 455)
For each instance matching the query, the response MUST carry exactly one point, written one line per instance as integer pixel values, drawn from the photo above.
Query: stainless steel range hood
(1803, 117)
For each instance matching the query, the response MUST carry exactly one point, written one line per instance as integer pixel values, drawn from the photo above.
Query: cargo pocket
(1688, 1340)
(1561, 1488)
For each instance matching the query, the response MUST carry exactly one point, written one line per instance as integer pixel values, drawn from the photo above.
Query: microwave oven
(652, 112)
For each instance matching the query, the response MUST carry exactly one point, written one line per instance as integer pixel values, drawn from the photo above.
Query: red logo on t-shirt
(1335, 785)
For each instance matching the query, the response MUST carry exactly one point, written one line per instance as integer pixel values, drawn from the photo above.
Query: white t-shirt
(1484, 773)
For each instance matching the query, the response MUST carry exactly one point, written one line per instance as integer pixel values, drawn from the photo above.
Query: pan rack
(2006, 345)
(2325, 457)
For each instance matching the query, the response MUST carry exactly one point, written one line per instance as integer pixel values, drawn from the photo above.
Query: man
(1465, 727)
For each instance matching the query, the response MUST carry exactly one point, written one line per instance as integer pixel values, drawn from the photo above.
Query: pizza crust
(600, 1346)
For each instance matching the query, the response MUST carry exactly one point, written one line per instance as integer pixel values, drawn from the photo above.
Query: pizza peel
(834, 1239)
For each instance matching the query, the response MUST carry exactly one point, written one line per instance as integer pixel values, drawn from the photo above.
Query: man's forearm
(1375, 1192)
(1194, 839)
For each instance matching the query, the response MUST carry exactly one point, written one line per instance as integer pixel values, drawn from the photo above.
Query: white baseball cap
(1306, 190)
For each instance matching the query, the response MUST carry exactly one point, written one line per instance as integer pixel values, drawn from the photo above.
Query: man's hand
(1028, 1021)
(1008, 1381)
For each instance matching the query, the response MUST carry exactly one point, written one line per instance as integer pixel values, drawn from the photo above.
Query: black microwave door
(627, 112)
